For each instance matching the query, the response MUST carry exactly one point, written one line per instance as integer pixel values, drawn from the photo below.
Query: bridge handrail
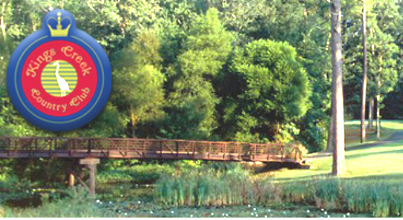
(285, 151)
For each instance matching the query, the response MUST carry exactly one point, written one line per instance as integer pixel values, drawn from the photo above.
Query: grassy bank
(370, 160)
(371, 185)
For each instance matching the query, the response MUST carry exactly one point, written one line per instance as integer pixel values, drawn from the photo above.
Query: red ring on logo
(48, 53)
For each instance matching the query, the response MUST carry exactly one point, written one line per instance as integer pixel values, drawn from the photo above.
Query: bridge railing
(207, 149)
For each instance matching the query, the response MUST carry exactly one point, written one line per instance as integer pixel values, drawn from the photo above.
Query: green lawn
(372, 161)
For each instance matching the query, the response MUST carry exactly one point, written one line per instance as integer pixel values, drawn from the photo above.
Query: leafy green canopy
(138, 81)
(274, 87)
(191, 112)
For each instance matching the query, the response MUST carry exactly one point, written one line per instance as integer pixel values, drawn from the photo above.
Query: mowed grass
(377, 160)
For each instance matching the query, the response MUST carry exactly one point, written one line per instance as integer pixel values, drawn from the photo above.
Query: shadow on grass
(387, 179)
(361, 155)
(391, 179)
(303, 178)
(394, 138)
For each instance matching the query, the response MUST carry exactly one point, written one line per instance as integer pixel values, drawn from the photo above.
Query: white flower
(1, 58)
(172, 212)
(139, 202)
(307, 211)
(151, 212)
(191, 216)
(269, 210)
(344, 216)
(212, 213)
(328, 216)
(265, 216)
(325, 212)
(254, 209)
(249, 206)
(322, 210)
(348, 214)
(125, 213)
(110, 202)
(97, 201)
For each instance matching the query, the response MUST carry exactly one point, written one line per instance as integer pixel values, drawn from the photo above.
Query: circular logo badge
(59, 78)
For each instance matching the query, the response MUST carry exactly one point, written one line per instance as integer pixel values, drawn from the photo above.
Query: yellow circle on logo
(59, 78)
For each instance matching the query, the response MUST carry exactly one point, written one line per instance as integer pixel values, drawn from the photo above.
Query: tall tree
(364, 71)
(192, 101)
(274, 92)
(337, 91)
(138, 81)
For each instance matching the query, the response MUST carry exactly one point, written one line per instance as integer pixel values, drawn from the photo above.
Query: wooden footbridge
(90, 150)
(120, 148)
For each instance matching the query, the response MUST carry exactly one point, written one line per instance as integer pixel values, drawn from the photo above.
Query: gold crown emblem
(59, 32)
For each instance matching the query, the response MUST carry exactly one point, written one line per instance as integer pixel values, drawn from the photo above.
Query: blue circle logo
(59, 78)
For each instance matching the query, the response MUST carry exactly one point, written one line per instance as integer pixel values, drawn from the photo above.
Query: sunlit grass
(381, 161)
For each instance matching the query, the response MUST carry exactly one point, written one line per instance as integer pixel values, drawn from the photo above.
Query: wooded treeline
(241, 70)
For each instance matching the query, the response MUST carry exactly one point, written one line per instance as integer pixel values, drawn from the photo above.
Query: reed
(210, 186)
(218, 186)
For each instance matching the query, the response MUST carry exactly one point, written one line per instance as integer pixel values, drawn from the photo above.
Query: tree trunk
(329, 147)
(2, 23)
(364, 74)
(61, 4)
(371, 113)
(337, 92)
(371, 101)
(378, 117)
(378, 98)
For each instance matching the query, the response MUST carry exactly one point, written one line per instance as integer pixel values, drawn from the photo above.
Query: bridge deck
(30, 147)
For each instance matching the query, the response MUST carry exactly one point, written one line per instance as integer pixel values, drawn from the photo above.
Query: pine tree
(337, 92)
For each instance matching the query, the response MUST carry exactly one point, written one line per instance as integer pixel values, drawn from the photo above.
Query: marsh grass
(76, 204)
(377, 198)
(209, 187)
(212, 188)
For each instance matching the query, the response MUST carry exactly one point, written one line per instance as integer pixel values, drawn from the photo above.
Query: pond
(135, 200)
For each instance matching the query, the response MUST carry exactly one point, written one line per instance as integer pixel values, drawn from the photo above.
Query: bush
(144, 173)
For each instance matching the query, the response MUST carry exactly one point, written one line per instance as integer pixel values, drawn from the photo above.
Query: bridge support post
(91, 164)
(72, 180)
